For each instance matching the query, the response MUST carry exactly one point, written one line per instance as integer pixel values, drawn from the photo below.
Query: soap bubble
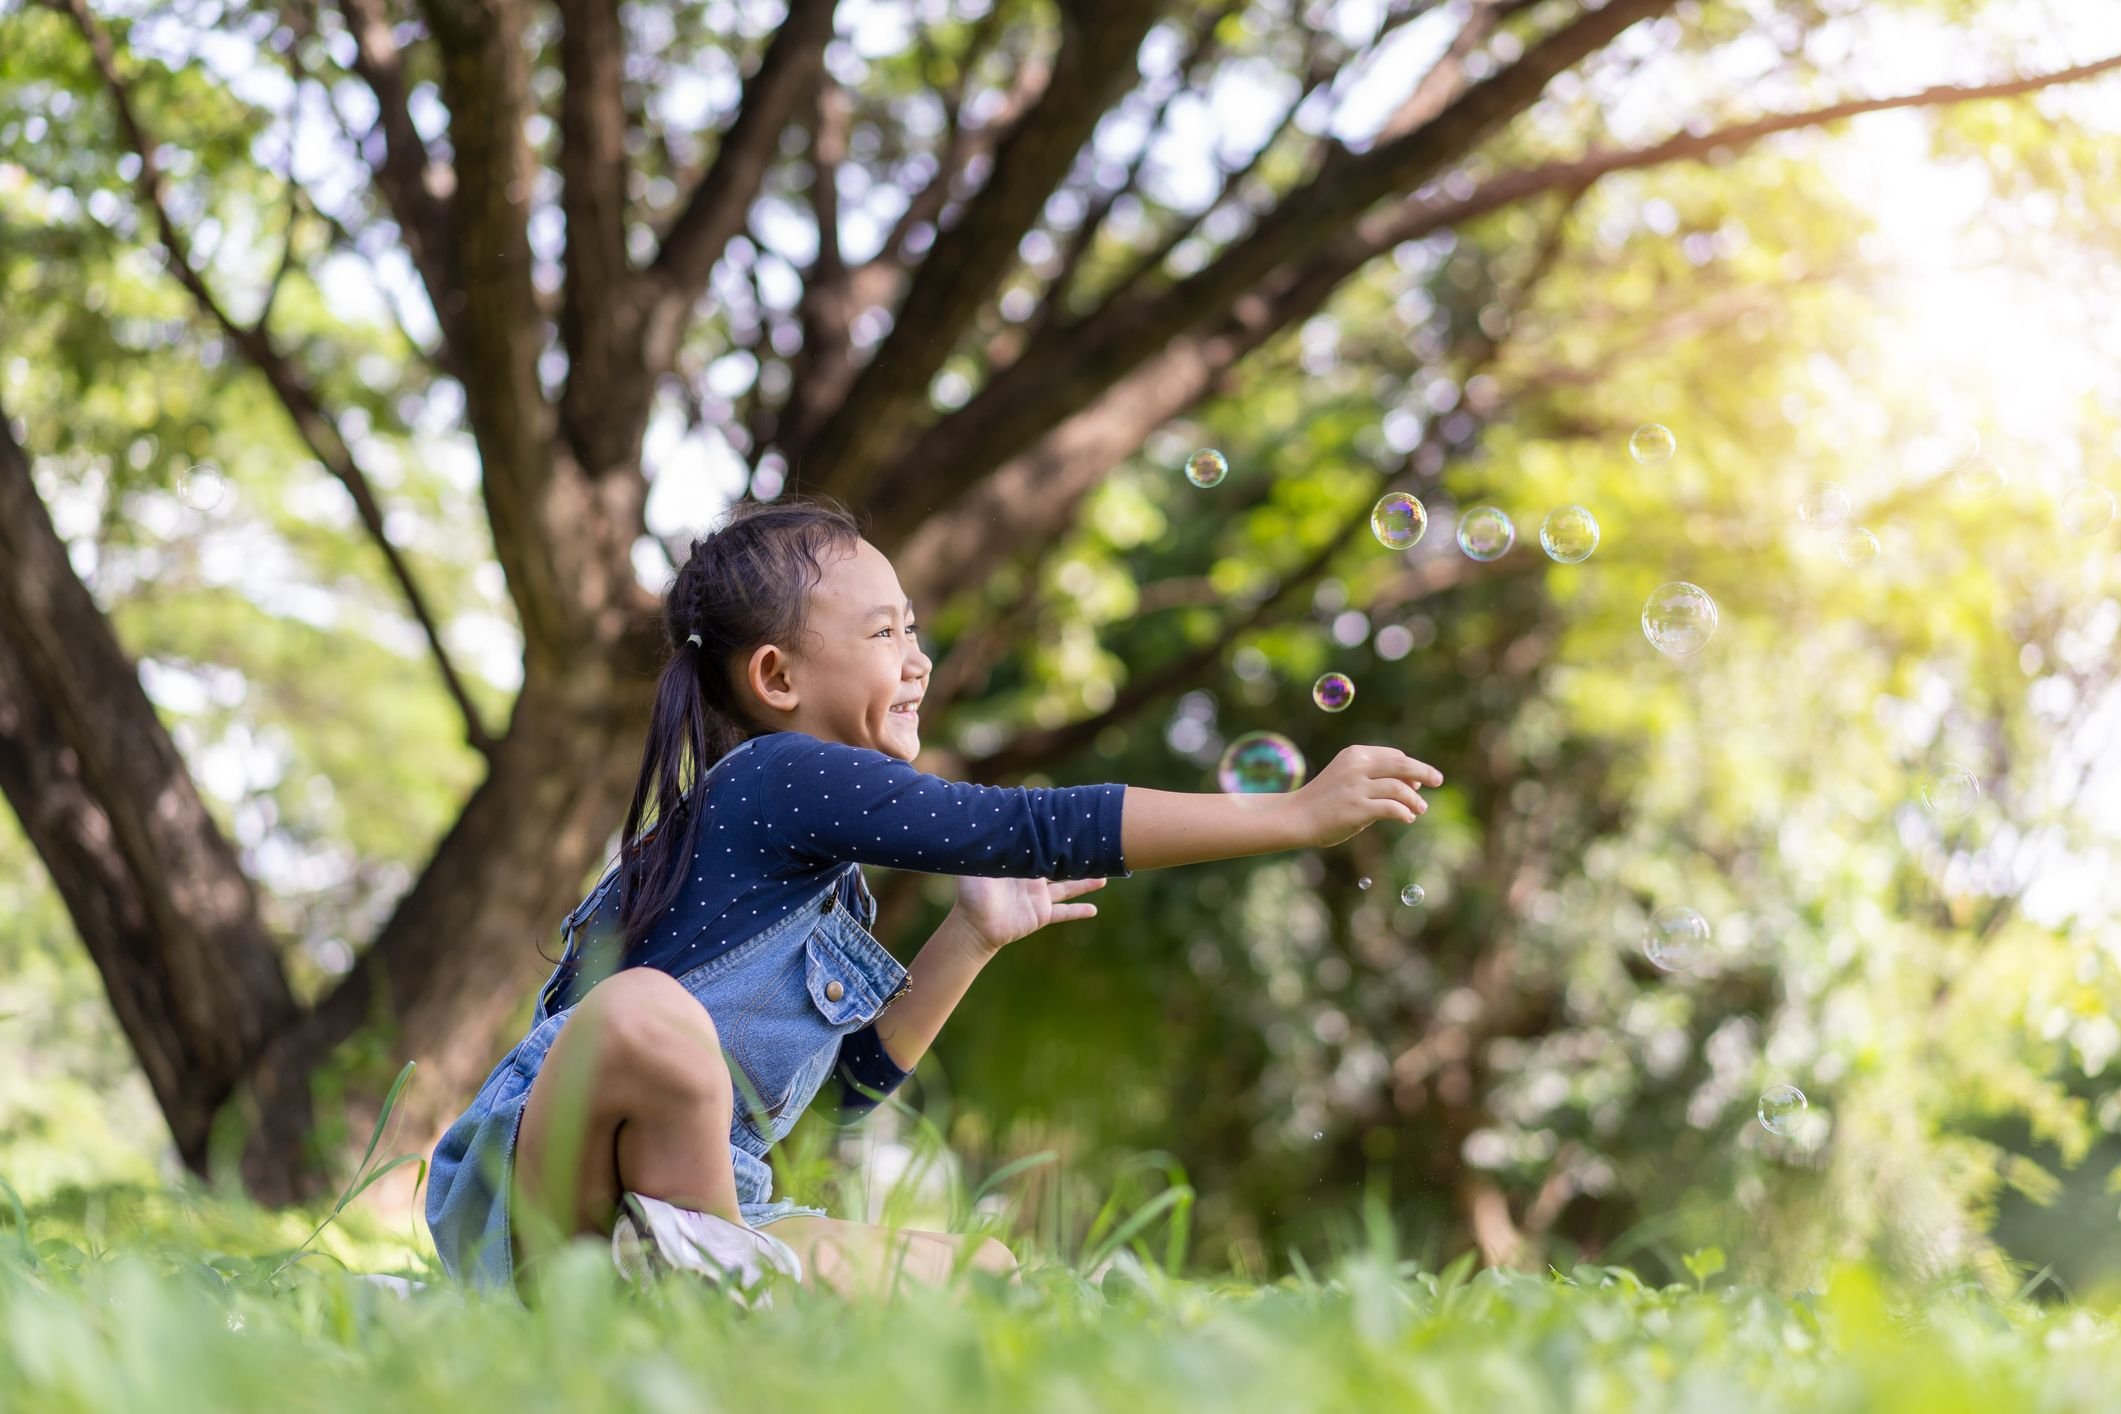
(1363, 883)
(1781, 1107)
(1413, 895)
(1485, 533)
(202, 487)
(2087, 508)
(1952, 446)
(1981, 478)
(1823, 505)
(1675, 938)
(1333, 692)
(1261, 763)
(1569, 535)
(1951, 792)
(1652, 444)
(1398, 521)
(1678, 618)
(1857, 547)
(1207, 467)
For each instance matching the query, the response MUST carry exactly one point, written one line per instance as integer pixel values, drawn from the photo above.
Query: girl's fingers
(1070, 912)
(1071, 888)
(1400, 791)
(1419, 773)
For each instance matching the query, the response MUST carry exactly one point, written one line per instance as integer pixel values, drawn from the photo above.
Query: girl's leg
(859, 1259)
(633, 1096)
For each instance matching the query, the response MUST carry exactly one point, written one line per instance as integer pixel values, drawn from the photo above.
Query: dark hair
(745, 584)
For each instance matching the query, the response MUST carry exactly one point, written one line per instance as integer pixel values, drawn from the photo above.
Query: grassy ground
(164, 1301)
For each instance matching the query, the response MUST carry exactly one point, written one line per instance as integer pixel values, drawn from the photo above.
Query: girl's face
(859, 674)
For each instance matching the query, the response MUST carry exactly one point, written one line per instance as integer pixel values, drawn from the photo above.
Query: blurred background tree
(372, 367)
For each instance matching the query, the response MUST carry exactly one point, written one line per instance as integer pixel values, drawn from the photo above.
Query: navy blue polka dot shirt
(786, 812)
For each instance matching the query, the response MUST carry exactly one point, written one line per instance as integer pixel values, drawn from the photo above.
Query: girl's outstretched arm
(1364, 784)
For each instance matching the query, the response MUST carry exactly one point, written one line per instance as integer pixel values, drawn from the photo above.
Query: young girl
(723, 970)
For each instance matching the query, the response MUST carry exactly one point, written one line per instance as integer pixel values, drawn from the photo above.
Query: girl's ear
(766, 678)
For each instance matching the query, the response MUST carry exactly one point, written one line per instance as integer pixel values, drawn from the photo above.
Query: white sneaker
(652, 1237)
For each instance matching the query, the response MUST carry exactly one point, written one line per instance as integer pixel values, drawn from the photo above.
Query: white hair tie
(694, 640)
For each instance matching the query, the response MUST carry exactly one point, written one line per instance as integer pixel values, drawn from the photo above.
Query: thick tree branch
(604, 409)
(316, 428)
(104, 797)
(721, 202)
(1098, 45)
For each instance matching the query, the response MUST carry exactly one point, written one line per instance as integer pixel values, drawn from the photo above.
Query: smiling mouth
(907, 709)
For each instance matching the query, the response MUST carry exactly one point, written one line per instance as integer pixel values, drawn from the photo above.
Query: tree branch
(721, 202)
(103, 795)
(604, 408)
(1098, 45)
(1032, 396)
(316, 428)
(415, 187)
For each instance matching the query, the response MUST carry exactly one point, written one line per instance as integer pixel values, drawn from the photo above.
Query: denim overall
(780, 1000)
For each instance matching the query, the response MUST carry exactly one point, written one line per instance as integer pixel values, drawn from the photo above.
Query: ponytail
(743, 585)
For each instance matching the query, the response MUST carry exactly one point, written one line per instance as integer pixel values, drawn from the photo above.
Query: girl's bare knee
(990, 1255)
(654, 1037)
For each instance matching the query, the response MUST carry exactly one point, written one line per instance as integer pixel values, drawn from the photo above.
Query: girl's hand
(999, 911)
(1363, 785)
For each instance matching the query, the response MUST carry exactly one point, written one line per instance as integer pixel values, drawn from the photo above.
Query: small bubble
(1951, 792)
(1950, 447)
(1485, 533)
(1823, 505)
(1857, 547)
(1982, 477)
(1363, 883)
(1652, 444)
(2087, 508)
(202, 487)
(1678, 618)
(1398, 521)
(1318, 1134)
(1781, 1106)
(1675, 938)
(1260, 763)
(1207, 467)
(1333, 692)
(1569, 535)
(1413, 895)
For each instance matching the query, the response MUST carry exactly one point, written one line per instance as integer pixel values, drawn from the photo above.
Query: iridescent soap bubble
(1207, 467)
(1260, 763)
(1981, 478)
(2087, 508)
(202, 487)
(1675, 938)
(1363, 883)
(1678, 618)
(1569, 535)
(1333, 692)
(1413, 896)
(1781, 1108)
(1857, 547)
(1398, 521)
(1485, 533)
(1652, 444)
(1951, 792)
(1823, 505)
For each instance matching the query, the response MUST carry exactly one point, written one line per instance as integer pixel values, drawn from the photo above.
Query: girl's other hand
(1364, 784)
(999, 911)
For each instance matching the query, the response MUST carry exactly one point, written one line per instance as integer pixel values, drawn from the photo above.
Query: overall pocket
(782, 1025)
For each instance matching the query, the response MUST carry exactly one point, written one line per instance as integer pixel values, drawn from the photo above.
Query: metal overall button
(834, 991)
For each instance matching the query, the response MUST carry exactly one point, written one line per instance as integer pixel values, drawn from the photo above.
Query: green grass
(175, 1301)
